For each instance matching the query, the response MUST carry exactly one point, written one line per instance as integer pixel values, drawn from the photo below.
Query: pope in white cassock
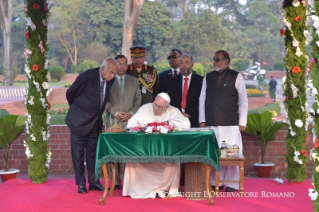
(145, 180)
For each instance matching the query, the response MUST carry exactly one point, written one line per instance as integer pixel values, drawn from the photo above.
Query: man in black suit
(184, 90)
(165, 76)
(87, 98)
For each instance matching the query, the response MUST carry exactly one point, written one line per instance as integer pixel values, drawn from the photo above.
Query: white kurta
(144, 180)
(230, 134)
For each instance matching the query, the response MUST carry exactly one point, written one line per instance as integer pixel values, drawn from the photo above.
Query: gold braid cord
(149, 87)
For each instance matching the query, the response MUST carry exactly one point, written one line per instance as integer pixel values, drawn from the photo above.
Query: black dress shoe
(220, 187)
(117, 187)
(82, 189)
(229, 189)
(96, 187)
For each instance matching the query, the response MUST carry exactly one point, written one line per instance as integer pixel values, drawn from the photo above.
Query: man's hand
(127, 116)
(186, 115)
(242, 128)
(120, 115)
(202, 124)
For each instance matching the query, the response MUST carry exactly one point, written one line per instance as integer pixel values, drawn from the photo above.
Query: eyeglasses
(160, 107)
(216, 60)
(172, 57)
(122, 64)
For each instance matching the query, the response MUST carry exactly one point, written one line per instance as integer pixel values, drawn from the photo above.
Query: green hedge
(269, 107)
(86, 65)
(57, 72)
(74, 68)
(249, 86)
(256, 95)
(161, 66)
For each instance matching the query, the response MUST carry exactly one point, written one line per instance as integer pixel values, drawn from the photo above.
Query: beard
(186, 71)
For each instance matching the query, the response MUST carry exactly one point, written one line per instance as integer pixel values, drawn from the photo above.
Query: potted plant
(261, 125)
(9, 131)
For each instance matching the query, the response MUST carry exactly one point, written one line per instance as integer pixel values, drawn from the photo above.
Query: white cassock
(230, 134)
(144, 180)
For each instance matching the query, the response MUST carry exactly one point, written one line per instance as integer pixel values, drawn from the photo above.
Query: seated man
(146, 180)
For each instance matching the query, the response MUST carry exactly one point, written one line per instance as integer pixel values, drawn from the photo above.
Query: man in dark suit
(184, 90)
(165, 76)
(87, 98)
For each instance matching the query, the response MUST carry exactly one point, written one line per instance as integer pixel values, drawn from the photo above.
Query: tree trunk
(132, 12)
(5, 26)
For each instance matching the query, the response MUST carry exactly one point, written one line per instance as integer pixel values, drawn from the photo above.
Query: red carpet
(61, 195)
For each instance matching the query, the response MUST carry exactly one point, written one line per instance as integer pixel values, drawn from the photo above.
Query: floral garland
(38, 118)
(313, 85)
(156, 127)
(296, 38)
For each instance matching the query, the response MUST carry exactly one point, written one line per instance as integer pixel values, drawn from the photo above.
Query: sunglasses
(216, 60)
(173, 57)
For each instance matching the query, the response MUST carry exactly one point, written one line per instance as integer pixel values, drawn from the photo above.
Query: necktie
(185, 91)
(122, 85)
(175, 72)
(102, 93)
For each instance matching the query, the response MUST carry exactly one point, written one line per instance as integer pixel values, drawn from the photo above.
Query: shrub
(251, 86)
(272, 107)
(74, 68)
(199, 68)
(15, 72)
(280, 65)
(86, 65)
(240, 64)
(57, 72)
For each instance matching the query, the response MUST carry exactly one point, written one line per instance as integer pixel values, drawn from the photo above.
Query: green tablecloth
(173, 147)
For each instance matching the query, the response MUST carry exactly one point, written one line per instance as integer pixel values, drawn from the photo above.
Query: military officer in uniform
(146, 74)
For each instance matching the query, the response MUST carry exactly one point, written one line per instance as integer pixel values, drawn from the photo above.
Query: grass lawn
(23, 84)
(59, 105)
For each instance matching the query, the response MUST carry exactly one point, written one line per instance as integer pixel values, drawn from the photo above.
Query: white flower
(164, 130)
(31, 24)
(298, 123)
(36, 85)
(311, 111)
(317, 169)
(317, 32)
(31, 100)
(292, 133)
(294, 90)
(314, 92)
(297, 153)
(295, 42)
(286, 22)
(33, 137)
(307, 36)
(46, 66)
(314, 156)
(149, 130)
(28, 71)
(316, 24)
(45, 85)
(44, 22)
(317, 110)
(279, 180)
(300, 161)
(298, 52)
(296, 3)
(302, 108)
(296, 159)
(313, 195)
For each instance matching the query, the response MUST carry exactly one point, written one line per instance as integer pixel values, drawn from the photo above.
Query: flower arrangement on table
(154, 127)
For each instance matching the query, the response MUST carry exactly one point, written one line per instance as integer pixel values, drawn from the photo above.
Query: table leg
(216, 182)
(106, 180)
(208, 186)
(241, 180)
(113, 179)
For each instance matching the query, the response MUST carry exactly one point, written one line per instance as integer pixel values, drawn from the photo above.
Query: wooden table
(174, 147)
(235, 161)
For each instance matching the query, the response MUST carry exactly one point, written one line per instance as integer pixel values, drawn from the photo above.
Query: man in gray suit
(124, 100)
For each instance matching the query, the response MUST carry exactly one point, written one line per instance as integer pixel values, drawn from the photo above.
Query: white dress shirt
(178, 71)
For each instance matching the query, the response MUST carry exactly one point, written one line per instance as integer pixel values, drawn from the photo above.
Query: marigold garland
(38, 117)
(296, 38)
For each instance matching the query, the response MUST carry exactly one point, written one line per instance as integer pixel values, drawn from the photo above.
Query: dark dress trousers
(84, 119)
(192, 102)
